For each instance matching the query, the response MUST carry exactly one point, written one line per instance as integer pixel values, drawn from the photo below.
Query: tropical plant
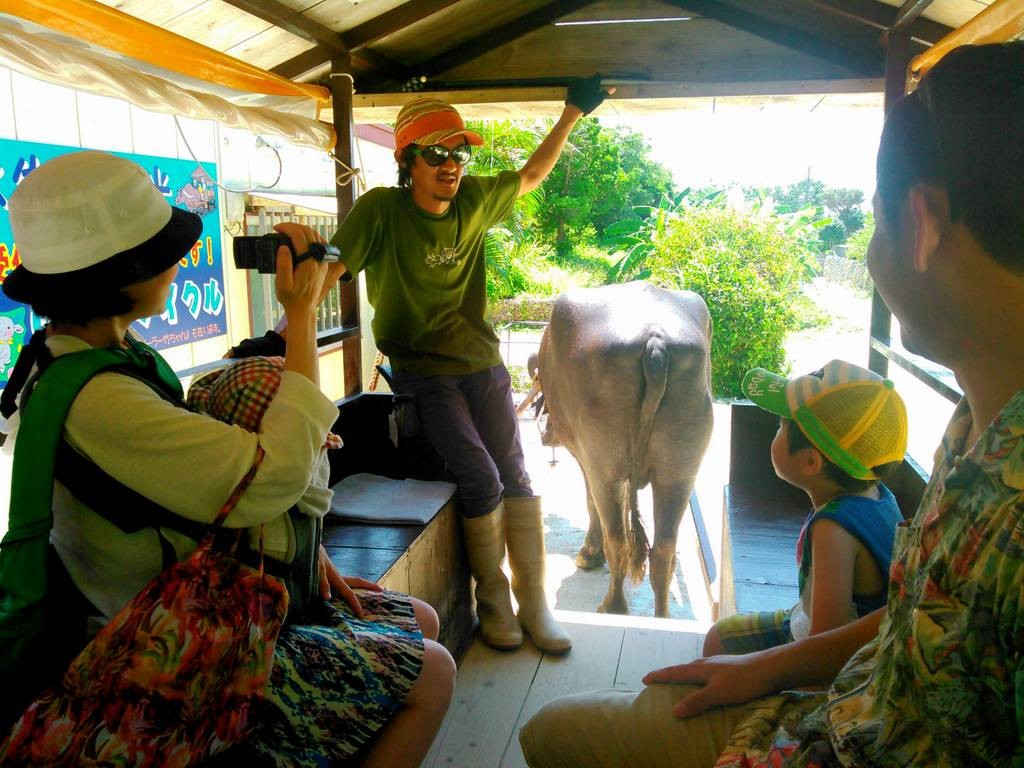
(747, 269)
(504, 245)
(805, 193)
(636, 238)
(842, 206)
(804, 229)
(507, 144)
(602, 173)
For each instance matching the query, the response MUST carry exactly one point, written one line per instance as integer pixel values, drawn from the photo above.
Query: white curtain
(33, 51)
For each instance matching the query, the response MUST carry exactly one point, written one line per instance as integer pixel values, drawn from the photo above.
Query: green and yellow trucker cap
(852, 415)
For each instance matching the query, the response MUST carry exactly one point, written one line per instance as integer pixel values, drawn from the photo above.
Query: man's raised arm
(581, 98)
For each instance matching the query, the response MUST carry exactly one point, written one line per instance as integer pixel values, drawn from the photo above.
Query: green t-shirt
(425, 273)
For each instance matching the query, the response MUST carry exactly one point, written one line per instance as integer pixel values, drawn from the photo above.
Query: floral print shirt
(943, 683)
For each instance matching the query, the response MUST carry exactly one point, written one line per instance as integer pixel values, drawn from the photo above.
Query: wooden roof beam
(380, 64)
(293, 22)
(356, 39)
(882, 17)
(494, 38)
(306, 61)
(392, 21)
(547, 101)
(320, 56)
(909, 13)
(862, 60)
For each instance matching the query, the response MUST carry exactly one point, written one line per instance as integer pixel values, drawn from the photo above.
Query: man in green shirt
(422, 247)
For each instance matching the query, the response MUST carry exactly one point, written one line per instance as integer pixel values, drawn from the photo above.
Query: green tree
(846, 205)
(748, 270)
(833, 234)
(507, 146)
(505, 245)
(842, 204)
(806, 193)
(857, 244)
(602, 175)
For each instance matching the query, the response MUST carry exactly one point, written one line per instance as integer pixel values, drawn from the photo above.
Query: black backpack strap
(34, 353)
(127, 509)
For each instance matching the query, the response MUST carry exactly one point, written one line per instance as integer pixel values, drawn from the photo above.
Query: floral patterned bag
(174, 678)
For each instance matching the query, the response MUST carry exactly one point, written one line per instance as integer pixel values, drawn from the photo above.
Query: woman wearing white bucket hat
(99, 248)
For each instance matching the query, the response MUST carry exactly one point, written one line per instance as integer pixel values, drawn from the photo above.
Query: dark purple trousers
(471, 422)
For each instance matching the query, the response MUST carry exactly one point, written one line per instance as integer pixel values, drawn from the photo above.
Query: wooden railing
(265, 311)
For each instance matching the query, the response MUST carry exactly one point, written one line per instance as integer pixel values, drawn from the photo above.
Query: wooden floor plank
(489, 695)
(498, 692)
(591, 664)
(644, 650)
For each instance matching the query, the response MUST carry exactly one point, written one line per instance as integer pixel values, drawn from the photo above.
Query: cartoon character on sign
(198, 195)
(12, 332)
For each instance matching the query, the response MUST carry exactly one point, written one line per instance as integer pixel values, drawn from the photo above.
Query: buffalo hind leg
(609, 498)
(591, 554)
(669, 505)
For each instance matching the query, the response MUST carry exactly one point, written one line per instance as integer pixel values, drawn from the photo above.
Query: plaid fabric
(241, 392)
(749, 632)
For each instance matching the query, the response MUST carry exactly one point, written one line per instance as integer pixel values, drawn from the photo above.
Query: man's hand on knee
(725, 680)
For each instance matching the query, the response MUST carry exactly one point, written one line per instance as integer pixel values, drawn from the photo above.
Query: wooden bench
(426, 561)
(762, 516)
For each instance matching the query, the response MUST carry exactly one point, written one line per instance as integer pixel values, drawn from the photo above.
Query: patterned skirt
(337, 683)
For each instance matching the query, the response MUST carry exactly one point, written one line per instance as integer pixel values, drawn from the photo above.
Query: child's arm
(833, 557)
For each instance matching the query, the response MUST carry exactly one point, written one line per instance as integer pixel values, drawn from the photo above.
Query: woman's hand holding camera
(299, 287)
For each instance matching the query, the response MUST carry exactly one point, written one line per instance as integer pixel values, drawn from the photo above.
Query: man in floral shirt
(937, 677)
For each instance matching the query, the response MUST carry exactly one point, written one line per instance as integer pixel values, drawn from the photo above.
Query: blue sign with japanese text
(195, 307)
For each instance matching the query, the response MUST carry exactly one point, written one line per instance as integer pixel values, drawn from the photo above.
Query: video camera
(259, 252)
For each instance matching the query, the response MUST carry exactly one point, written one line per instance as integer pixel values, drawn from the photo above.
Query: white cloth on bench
(375, 499)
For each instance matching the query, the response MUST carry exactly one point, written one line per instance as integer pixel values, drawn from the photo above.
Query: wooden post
(341, 93)
(899, 52)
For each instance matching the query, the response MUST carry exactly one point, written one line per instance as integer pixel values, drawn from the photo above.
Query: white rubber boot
(485, 544)
(524, 529)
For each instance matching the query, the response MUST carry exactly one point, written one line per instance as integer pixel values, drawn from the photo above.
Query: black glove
(270, 344)
(585, 93)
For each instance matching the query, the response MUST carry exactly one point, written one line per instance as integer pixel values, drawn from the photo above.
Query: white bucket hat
(93, 217)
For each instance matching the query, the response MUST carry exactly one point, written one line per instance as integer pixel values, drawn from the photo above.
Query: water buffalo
(626, 377)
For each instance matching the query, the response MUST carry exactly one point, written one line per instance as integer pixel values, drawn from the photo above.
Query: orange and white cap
(430, 121)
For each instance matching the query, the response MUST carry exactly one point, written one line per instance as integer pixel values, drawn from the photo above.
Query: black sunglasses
(435, 154)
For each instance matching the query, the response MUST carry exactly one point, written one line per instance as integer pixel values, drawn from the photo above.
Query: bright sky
(774, 146)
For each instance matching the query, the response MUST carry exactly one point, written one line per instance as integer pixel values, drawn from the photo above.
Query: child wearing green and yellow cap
(842, 431)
